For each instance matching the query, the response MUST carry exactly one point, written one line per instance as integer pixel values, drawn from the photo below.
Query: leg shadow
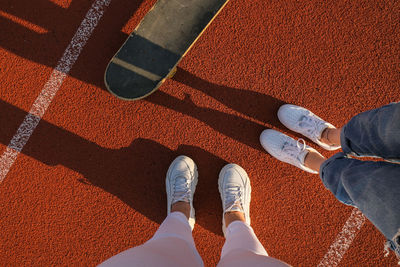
(243, 130)
(40, 31)
(135, 174)
(252, 104)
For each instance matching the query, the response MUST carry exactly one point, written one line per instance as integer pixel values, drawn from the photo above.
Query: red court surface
(89, 183)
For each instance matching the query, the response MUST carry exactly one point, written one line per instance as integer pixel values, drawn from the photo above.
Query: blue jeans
(372, 187)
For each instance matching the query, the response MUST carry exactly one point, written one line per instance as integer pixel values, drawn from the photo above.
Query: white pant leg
(242, 248)
(171, 245)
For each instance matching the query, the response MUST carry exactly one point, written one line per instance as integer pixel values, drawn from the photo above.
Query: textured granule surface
(90, 181)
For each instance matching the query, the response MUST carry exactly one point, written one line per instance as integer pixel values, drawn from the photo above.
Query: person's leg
(172, 244)
(288, 150)
(372, 187)
(240, 235)
(303, 121)
(374, 133)
(242, 247)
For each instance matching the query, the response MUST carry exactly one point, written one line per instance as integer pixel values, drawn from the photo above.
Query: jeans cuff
(332, 182)
(326, 163)
(394, 245)
(344, 141)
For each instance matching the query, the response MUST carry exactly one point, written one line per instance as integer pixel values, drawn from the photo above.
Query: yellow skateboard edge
(205, 28)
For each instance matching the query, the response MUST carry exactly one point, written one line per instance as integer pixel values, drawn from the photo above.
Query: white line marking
(50, 89)
(343, 239)
(71, 54)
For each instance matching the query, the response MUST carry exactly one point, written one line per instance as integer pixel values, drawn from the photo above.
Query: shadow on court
(260, 107)
(41, 30)
(135, 174)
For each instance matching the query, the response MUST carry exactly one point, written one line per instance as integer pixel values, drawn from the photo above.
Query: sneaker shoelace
(293, 150)
(311, 125)
(182, 189)
(233, 198)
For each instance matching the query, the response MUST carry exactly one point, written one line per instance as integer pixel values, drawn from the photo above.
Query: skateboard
(153, 50)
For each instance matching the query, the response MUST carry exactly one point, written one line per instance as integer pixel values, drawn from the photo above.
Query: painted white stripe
(343, 239)
(17, 143)
(52, 86)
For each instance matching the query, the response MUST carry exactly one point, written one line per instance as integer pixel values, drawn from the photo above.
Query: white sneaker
(234, 187)
(303, 121)
(286, 149)
(181, 183)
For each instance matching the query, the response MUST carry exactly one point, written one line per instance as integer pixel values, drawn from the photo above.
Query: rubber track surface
(90, 181)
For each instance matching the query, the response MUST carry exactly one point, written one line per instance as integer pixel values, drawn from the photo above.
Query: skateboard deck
(154, 49)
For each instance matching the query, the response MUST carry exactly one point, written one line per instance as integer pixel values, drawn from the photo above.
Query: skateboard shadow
(43, 39)
(135, 174)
